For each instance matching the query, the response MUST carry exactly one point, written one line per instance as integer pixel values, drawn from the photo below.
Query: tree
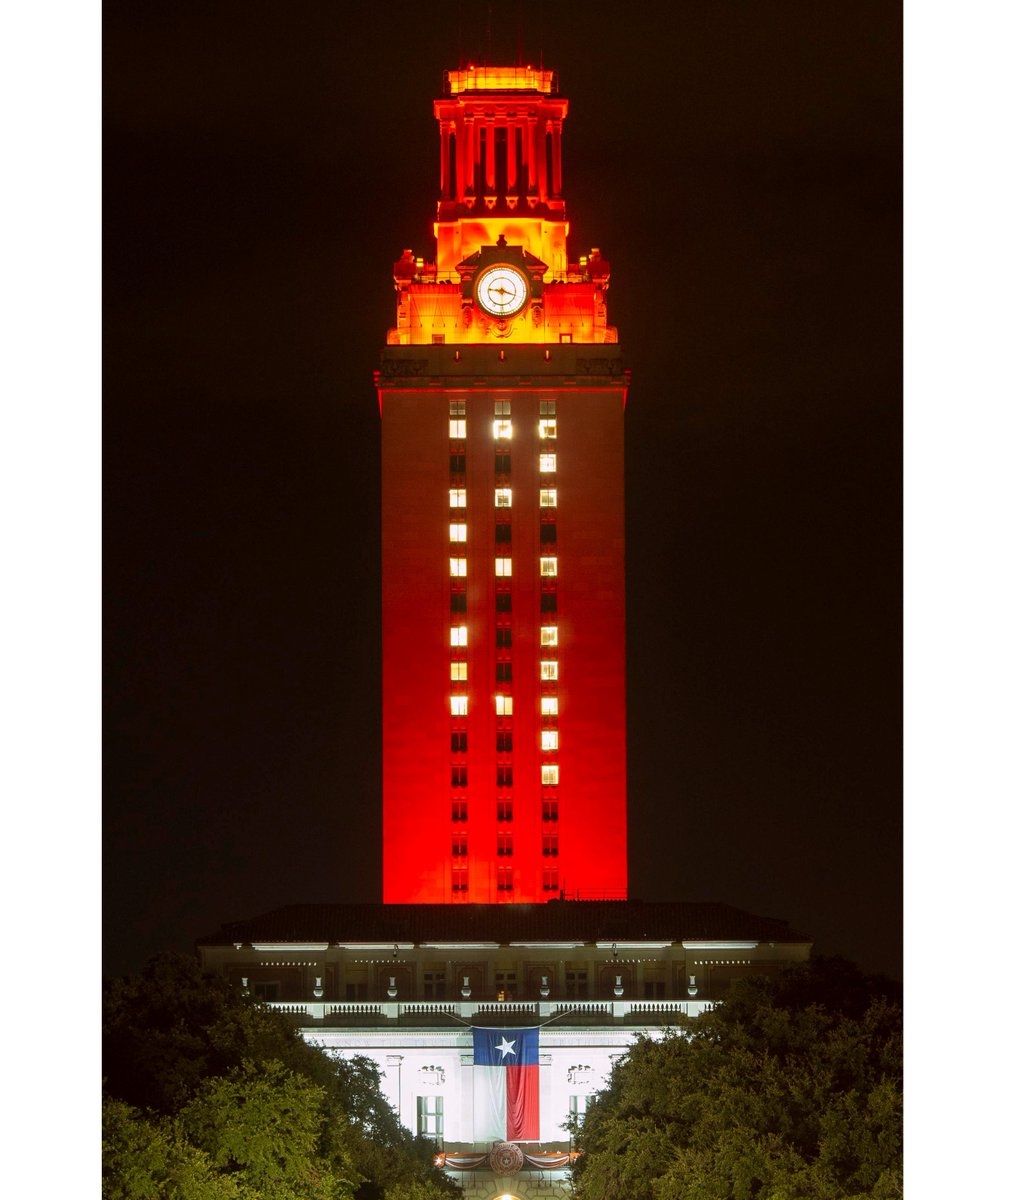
(791, 1088)
(215, 1071)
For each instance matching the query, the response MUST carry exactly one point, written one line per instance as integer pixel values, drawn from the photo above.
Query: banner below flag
(506, 1085)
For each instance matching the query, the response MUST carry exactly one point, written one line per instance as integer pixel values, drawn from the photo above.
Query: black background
(739, 165)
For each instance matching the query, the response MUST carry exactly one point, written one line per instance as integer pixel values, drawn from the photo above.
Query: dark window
(459, 845)
(266, 991)
(504, 879)
(356, 991)
(503, 638)
(504, 743)
(460, 879)
(458, 602)
(457, 464)
(548, 533)
(503, 672)
(550, 810)
(459, 777)
(502, 602)
(503, 464)
(550, 845)
(433, 985)
(504, 810)
(550, 880)
(458, 743)
(548, 602)
(504, 845)
(460, 810)
(576, 985)
(502, 532)
(504, 777)
(652, 989)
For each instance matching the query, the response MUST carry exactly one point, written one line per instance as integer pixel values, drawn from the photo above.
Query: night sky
(739, 165)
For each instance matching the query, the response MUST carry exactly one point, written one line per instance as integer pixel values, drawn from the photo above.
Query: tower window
(502, 430)
(550, 880)
(548, 706)
(548, 497)
(504, 743)
(550, 810)
(458, 742)
(548, 739)
(502, 567)
(503, 706)
(457, 566)
(460, 706)
(503, 638)
(456, 408)
(548, 408)
(504, 810)
(548, 635)
(548, 463)
(457, 533)
(502, 408)
(505, 882)
(503, 672)
(456, 428)
(460, 777)
(459, 671)
(548, 427)
(548, 566)
(502, 464)
(502, 497)
(458, 631)
(503, 602)
(458, 603)
(457, 464)
(456, 497)
(459, 846)
(549, 775)
(460, 878)
(460, 811)
(504, 845)
(503, 533)
(548, 668)
(549, 844)
(505, 776)
(548, 535)
(548, 602)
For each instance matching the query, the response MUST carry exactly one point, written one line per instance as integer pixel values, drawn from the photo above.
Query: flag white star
(505, 1047)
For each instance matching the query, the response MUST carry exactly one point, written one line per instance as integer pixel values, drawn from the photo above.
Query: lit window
(458, 635)
(548, 706)
(459, 671)
(502, 430)
(430, 1116)
(548, 739)
(548, 462)
(548, 427)
(503, 706)
(548, 497)
(548, 566)
(456, 428)
(548, 408)
(457, 533)
(460, 706)
(458, 567)
(548, 669)
(502, 567)
(548, 635)
(549, 774)
(502, 497)
(457, 497)
(502, 408)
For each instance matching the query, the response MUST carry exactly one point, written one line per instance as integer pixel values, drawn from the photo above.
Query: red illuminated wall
(467, 808)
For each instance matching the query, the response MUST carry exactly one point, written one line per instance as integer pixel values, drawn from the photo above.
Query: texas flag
(506, 1085)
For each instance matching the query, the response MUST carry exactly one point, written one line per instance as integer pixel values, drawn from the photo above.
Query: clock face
(502, 291)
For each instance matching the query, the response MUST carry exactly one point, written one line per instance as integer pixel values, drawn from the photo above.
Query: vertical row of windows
(549, 642)
(428, 1120)
(503, 700)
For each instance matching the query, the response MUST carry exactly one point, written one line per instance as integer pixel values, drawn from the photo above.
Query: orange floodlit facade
(502, 396)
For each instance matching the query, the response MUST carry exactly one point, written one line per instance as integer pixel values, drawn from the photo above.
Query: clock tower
(502, 393)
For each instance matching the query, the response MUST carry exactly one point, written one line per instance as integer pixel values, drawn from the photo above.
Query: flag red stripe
(523, 1104)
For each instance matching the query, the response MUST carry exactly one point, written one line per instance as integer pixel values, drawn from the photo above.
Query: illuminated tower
(502, 398)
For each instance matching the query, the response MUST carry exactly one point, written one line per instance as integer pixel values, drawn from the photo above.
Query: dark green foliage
(237, 1104)
(791, 1089)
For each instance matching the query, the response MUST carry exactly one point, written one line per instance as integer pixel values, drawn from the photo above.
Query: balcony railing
(341, 1012)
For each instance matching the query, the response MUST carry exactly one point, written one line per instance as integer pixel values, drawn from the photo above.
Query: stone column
(555, 141)
(491, 163)
(513, 171)
(445, 160)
